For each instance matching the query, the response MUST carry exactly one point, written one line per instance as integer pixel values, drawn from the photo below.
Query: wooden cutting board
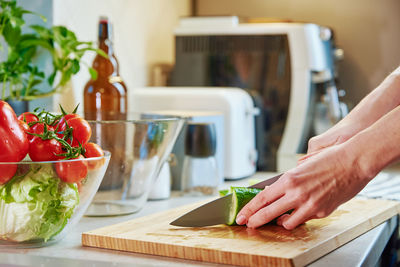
(270, 245)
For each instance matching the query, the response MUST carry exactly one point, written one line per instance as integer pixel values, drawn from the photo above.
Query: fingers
(297, 217)
(285, 217)
(281, 219)
(325, 140)
(306, 156)
(313, 145)
(262, 199)
(269, 212)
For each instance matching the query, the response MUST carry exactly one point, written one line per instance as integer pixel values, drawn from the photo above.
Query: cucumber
(240, 197)
(224, 192)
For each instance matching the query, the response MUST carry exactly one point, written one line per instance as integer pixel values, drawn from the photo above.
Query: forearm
(376, 104)
(378, 145)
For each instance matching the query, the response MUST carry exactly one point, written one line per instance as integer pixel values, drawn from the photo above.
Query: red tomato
(24, 126)
(62, 125)
(44, 150)
(28, 117)
(93, 150)
(38, 128)
(72, 171)
(81, 131)
(7, 171)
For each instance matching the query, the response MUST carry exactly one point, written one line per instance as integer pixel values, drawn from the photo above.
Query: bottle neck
(105, 66)
(105, 32)
(106, 46)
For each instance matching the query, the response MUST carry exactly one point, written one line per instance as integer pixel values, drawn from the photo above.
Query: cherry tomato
(24, 126)
(28, 117)
(7, 171)
(44, 150)
(38, 128)
(62, 125)
(93, 150)
(72, 171)
(81, 131)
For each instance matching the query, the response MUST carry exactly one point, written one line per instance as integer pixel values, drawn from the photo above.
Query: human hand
(336, 135)
(313, 189)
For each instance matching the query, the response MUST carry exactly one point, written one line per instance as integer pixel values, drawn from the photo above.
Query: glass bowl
(140, 145)
(38, 208)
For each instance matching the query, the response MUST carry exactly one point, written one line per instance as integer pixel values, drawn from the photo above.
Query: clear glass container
(200, 175)
(140, 145)
(200, 170)
(38, 208)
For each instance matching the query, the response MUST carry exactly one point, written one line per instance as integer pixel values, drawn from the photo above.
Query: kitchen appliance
(269, 245)
(236, 106)
(289, 69)
(216, 211)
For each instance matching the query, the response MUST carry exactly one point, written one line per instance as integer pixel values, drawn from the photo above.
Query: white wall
(367, 30)
(143, 35)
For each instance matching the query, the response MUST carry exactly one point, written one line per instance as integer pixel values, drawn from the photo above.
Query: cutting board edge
(341, 238)
(189, 253)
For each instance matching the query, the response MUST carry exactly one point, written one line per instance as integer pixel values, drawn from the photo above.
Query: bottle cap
(200, 139)
(105, 30)
(103, 19)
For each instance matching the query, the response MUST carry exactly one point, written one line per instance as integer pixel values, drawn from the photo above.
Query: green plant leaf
(36, 82)
(42, 31)
(20, 72)
(75, 66)
(11, 35)
(36, 42)
(51, 78)
(93, 73)
(101, 53)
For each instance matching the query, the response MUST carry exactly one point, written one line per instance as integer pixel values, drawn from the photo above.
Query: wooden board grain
(270, 245)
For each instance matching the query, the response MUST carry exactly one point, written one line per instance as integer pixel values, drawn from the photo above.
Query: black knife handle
(269, 181)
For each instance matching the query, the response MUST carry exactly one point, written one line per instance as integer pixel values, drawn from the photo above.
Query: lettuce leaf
(36, 205)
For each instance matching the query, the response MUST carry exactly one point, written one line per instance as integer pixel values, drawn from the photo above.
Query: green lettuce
(36, 205)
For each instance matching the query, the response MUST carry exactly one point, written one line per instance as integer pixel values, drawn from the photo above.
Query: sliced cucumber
(240, 197)
(224, 192)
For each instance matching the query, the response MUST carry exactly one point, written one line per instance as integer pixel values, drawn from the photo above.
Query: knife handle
(269, 181)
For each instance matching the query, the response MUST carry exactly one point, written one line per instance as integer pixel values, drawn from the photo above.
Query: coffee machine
(288, 68)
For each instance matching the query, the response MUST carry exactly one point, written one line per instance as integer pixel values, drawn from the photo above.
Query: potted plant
(20, 76)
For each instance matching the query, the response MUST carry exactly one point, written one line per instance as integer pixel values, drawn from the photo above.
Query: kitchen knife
(216, 211)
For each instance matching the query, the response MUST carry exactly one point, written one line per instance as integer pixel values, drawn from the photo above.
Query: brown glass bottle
(106, 97)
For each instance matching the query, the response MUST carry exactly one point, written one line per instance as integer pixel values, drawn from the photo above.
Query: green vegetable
(240, 197)
(36, 205)
(223, 192)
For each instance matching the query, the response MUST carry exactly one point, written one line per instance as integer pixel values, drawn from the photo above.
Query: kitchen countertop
(364, 250)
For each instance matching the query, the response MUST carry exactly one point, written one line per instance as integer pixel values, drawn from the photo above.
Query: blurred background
(367, 31)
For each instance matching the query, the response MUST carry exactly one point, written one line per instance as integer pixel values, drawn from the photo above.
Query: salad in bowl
(49, 173)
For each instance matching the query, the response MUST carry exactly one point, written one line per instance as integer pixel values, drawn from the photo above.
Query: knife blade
(216, 211)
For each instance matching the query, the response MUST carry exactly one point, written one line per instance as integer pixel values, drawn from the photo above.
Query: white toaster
(235, 104)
